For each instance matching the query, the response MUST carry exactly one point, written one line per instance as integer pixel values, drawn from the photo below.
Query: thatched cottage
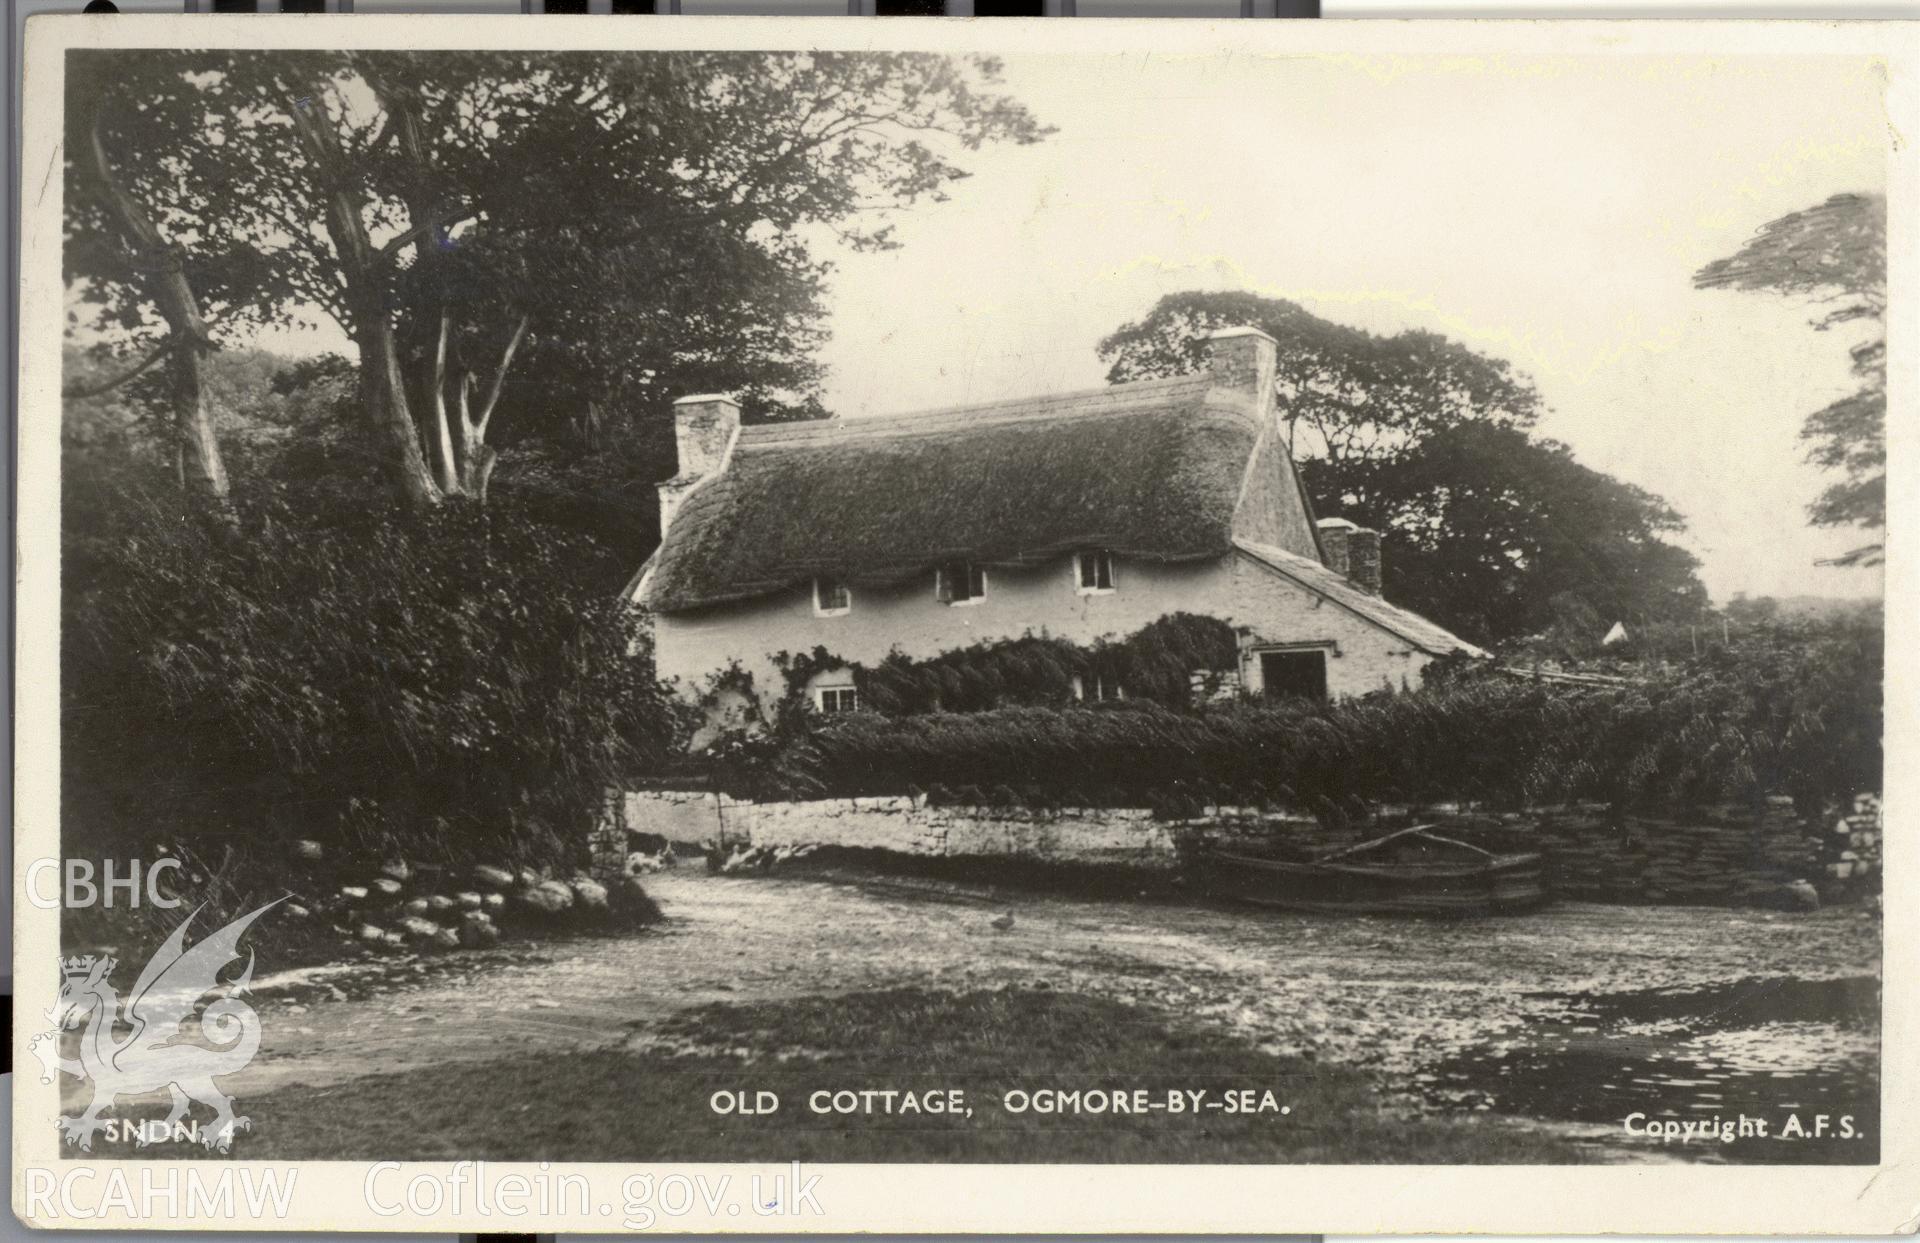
(1078, 515)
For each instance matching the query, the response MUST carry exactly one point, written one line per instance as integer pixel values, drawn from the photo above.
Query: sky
(1549, 211)
(1545, 210)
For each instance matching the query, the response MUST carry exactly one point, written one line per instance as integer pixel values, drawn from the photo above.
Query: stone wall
(1737, 856)
(1111, 836)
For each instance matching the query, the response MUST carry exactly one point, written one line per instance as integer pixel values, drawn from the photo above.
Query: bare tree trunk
(443, 438)
(383, 393)
(201, 471)
(476, 457)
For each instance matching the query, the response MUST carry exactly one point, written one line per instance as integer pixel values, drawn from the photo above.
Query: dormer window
(1093, 572)
(959, 582)
(831, 597)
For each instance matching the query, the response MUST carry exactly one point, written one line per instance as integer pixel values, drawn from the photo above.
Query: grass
(651, 1102)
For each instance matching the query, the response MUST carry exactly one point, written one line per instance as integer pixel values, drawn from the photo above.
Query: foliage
(1834, 255)
(409, 196)
(1356, 394)
(1495, 534)
(1792, 709)
(443, 687)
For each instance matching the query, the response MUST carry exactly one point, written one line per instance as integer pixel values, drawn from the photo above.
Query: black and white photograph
(777, 598)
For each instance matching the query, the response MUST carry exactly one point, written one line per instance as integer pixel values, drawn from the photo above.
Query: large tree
(1835, 256)
(1499, 534)
(1485, 529)
(644, 218)
(160, 278)
(1346, 394)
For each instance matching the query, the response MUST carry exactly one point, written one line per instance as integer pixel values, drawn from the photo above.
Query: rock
(468, 901)
(393, 940)
(419, 929)
(545, 1003)
(439, 903)
(490, 877)
(386, 885)
(476, 929)
(353, 893)
(308, 849)
(1003, 922)
(1801, 896)
(493, 901)
(415, 906)
(371, 935)
(296, 911)
(526, 878)
(549, 897)
(640, 864)
(590, 896)
(629, 904)
(397, 869)
(446, 938)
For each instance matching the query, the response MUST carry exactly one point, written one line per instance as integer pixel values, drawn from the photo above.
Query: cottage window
(1100, 691)
(960, 582)
(831, 597)
(834, 699)
(1094, 571)
(1294, 674)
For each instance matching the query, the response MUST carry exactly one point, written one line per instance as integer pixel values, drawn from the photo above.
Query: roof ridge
(1072, 404)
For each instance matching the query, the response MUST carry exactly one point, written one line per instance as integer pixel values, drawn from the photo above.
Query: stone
(308, 849)
(446, 938)
(371, 935)
(476, 929)
(353, 893)
(526, 878)
(397, 869)
(296, 911)
(549, 897)
(439, 903)
(493, 901)
(415, 906)
(419, 929)
(590, 896)
(629, 903)
(386, 885)
(468, 901)
(1003, 922)
(490, 877)
(1801, 895)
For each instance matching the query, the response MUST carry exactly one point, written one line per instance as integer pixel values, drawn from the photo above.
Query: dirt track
(1397, 996)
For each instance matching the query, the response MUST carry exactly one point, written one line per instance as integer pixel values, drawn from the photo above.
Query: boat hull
(1501, 884)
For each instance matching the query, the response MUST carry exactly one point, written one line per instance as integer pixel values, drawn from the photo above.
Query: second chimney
(1352, 552)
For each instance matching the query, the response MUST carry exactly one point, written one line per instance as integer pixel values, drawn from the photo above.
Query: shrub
(447, 686)
(1792, 712)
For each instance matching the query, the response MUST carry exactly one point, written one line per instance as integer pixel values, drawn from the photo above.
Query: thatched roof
(1150, 470)
(1322, 581)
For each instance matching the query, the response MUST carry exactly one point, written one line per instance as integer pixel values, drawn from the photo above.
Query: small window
(836, 699)
(831, 597)
(1100, 690)
(1094, 571)
(961, 582)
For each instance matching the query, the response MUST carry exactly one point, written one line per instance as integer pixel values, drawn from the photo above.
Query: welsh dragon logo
(143, 1049)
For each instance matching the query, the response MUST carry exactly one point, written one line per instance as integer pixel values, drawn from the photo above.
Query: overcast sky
(1546, 210)
(1549, 211)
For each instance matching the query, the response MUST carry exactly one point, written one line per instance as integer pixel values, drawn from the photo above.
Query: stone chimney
(704, 429)
(1243, 360)
(1334, 536)
(1363, 560)
(1351, 551)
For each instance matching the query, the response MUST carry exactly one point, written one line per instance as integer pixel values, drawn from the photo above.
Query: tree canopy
(1834, 256)
(1485, 529)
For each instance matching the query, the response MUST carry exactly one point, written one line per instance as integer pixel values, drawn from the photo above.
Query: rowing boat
(1413, 871)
